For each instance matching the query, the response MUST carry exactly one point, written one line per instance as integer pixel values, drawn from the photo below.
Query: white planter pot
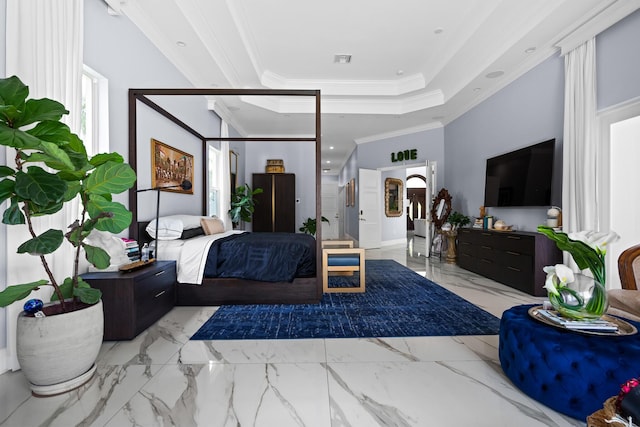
(57, 353)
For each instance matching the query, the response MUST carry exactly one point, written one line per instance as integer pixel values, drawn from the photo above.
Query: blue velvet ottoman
(569, 372)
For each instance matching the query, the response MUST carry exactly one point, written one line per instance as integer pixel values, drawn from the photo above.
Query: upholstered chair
(625, 302)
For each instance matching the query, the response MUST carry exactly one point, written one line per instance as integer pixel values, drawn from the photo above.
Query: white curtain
(581, 172)
(44, 49)
(225, 180)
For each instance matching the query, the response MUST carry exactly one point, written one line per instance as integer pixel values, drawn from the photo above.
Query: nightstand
(134, 300)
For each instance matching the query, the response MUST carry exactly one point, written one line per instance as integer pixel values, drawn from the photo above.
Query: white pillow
(169, 229)
(172, 225)
(188, 221)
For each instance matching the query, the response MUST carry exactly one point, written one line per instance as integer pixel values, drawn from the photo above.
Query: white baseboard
(394, 242)
(4, 366)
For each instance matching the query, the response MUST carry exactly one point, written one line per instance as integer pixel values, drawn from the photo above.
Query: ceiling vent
(342, 59)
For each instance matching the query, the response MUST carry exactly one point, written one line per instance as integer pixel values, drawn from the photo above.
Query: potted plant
(57, 349)
(242, 204)
(457, 220)
(310, 227)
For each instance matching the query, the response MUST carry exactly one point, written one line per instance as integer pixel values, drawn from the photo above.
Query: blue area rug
(397, 303)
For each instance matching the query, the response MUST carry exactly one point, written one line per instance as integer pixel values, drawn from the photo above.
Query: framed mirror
(233, 170)
(393, 196)
(441, 208)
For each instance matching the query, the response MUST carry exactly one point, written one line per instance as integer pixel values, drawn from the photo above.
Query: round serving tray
(624, 328)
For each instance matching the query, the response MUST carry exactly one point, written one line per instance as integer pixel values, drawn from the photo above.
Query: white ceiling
(416, 64)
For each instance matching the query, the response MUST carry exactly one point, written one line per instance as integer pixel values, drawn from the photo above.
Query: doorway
(620, 132)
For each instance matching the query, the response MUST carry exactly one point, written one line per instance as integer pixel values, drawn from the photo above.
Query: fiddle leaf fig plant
(242, 203)
(51, 169)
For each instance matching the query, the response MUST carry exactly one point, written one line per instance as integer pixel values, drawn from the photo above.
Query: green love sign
(404, 155)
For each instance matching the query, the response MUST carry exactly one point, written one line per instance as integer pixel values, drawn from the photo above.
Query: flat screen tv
(520, 178)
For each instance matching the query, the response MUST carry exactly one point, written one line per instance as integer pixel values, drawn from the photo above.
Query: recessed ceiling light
(530, 50)
(325, 170)
(494, 74)
(438, 31)
(181, 43)
(331, 148)
(399, 72)
(328, 161)
(342, 58)
(476, 89)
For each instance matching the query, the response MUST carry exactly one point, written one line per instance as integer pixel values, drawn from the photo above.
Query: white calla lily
(557, 277)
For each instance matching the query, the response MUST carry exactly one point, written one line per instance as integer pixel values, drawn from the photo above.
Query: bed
(237, 267)
(226, 290)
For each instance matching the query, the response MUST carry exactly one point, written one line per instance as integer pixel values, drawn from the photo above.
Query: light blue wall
(618, 62)
(299, 159)
(377, 155)
(118, 50)
(528, 111)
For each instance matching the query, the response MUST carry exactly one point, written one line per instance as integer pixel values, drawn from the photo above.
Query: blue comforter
(267, 257)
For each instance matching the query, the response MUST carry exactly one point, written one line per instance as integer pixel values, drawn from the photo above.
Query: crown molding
(397, 87)
(600, 21)
(397, 133)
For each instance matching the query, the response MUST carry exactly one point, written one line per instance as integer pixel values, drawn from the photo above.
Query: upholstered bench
(569, 372)
(342, 260)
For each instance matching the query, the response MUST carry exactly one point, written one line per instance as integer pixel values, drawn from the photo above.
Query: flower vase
(584, 298)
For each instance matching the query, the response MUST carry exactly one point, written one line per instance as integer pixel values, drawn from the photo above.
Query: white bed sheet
(190, 255)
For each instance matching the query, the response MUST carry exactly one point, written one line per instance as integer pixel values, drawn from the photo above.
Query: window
(214, 181)
(94, 126)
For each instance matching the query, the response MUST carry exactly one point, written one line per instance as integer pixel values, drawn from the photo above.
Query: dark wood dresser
(515, 258)
(133, 301)
(275, 208)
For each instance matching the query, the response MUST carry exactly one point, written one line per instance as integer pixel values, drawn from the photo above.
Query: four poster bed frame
(218, 291)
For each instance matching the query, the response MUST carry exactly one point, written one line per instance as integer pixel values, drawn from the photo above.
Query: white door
(330, 210)
(625, 175)
(370, 208)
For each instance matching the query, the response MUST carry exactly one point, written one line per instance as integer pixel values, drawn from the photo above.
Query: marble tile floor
(162, 379)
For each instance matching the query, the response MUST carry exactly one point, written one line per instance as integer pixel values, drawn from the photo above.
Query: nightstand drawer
(134, 300)
(154, 296)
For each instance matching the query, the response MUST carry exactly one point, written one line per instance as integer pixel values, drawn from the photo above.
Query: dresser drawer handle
(513, 253)
(486, 247)
(513, 237)
(160, 272)
(486, 261)
(514, 269)
(486, 234)
(160, 294)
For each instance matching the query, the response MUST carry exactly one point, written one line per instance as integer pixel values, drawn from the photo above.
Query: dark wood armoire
(275, 208)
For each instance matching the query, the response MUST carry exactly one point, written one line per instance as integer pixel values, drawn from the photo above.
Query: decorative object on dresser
(514, 258)
(274, 166)
(57, 343)
(133, 301)
(275, 208)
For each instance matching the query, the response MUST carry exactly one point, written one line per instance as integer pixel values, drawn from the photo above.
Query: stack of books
(599, 325)
(132, 249)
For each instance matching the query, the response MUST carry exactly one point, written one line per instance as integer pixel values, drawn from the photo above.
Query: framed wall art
(170, 167)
